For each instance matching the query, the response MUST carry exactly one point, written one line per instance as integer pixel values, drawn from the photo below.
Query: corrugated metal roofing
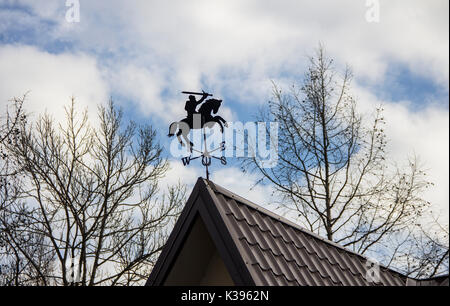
(262, 248)
(278, 252)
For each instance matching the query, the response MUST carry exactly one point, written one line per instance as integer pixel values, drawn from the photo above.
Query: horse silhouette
(206, 119)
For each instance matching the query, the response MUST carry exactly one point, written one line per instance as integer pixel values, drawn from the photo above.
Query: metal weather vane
(204, 117)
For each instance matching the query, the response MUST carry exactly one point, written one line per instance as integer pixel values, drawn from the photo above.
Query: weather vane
(205, 117)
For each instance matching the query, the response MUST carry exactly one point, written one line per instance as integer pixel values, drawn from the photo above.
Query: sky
(142, 54)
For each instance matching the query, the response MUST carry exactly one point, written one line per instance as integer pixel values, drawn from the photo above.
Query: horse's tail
(172, 128)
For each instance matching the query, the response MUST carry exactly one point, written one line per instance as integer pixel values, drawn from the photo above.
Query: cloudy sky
(144, 53)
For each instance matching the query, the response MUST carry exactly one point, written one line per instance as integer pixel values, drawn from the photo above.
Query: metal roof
(264, 249)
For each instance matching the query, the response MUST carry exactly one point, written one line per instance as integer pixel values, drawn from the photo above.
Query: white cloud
(422, 133)
(243, 184)
(227, 43)
(426, 135)
(231, 178)
(179, 173)
(142, 86)
(50, 79)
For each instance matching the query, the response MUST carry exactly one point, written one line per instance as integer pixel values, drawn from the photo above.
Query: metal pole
(206, 151)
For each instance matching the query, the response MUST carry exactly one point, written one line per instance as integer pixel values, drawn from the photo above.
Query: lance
(195, 93)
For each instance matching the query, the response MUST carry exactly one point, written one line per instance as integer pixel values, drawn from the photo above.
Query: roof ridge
(284, 220)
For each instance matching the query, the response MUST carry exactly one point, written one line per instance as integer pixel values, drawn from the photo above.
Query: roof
(434, 281)
(261, 248)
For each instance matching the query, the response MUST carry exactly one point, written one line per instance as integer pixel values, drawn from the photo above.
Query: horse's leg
(184, 129)
(179, 138)
(190, 144)
(222, 120)
(217, 120)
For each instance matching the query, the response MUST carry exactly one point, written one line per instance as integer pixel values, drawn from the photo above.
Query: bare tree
(24, 256)
(91, 196)
(332, 172)
(426, 252)
(14, 268)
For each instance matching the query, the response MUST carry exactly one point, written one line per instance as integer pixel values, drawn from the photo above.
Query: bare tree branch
(93, 197)
(332, 167)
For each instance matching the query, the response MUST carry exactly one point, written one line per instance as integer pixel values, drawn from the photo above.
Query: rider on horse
(207, 119)
(191, 105)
